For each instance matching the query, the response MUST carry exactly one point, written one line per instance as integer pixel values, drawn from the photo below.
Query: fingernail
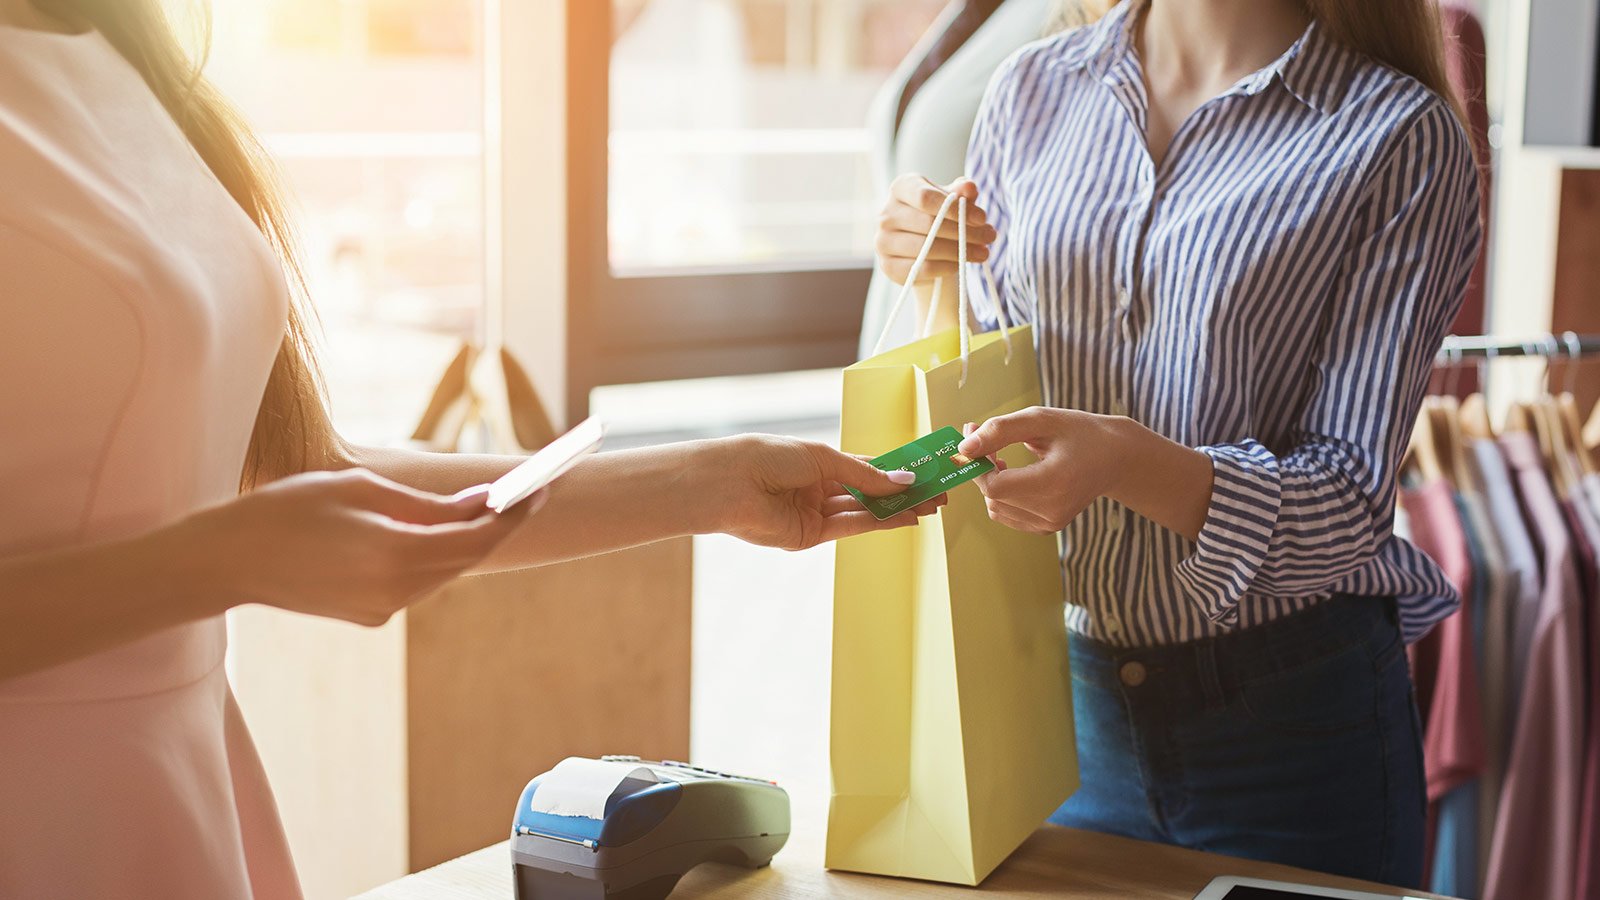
(901, 476)
(968, 447)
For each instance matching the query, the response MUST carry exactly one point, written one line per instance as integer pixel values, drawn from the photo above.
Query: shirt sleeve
(1295, 523)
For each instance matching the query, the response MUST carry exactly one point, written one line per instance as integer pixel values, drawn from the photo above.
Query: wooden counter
(1054, 862)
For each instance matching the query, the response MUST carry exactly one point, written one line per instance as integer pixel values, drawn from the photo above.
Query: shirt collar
(1314, 69)
(1109, 40)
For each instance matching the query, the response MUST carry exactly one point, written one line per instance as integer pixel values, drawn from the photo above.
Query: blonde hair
(1407, 35)
(292, 429)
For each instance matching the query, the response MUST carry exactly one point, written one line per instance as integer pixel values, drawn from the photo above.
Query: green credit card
(938, 468)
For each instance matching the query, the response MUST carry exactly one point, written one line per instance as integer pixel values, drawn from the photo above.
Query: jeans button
(1132, 674)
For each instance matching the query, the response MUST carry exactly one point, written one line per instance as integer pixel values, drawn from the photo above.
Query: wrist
(717, 492)
(707, 492)
(1126, 451)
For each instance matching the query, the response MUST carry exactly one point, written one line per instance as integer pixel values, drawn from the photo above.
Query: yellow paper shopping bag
(952, 735)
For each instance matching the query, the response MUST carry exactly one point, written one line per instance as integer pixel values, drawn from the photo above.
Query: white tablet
(1230, 888)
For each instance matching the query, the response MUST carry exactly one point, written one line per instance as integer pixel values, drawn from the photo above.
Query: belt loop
(1206, 667)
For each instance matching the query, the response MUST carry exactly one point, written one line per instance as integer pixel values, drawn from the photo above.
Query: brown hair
(292, 429)
(1407, 35)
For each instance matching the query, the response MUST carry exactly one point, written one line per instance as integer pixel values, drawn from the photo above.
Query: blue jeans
(1296, 742)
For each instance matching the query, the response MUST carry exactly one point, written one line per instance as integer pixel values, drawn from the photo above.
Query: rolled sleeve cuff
(1245, 496)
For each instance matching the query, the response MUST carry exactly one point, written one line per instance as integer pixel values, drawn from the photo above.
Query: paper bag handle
(962, 325)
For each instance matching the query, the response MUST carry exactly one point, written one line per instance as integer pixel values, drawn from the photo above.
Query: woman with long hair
(1240, 229)
(165, 454)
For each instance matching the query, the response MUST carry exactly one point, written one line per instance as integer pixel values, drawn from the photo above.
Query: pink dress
(141, 314)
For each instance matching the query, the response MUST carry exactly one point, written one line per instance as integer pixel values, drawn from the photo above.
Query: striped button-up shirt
(1272, 294)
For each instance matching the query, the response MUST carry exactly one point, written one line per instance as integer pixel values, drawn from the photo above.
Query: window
(738, 127)
(374, 110)
(719, 190)
(731, 171)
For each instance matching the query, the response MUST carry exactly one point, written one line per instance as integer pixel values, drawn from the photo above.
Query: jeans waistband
(1210, 670)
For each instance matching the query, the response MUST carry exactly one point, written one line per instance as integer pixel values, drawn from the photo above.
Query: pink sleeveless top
(140, 312)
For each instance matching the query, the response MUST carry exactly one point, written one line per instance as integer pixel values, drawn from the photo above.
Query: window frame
(663, 325)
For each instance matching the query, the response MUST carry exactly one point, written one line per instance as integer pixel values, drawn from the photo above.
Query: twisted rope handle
(964, 329)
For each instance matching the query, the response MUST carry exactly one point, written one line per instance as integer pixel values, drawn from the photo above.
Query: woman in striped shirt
(1240, 229)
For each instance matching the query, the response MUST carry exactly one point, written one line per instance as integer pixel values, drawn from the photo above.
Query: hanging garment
(1453, 734)
(1535, 852)
(1455, 865)
(1588, 869)
(1514, 584)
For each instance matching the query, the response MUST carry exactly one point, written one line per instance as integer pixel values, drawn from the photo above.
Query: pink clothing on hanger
(1453, 740)
(143, 312)
(1588, 873)
(1535, 852)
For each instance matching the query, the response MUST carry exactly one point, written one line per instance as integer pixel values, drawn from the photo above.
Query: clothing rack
(1568, 345)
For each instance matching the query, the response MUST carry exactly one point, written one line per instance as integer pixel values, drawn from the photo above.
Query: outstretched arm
(767, 490)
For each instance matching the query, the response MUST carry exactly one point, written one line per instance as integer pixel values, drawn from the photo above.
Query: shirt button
(1118, 408)
(1113, 625)
(1114, 522)
(1123, 299)
(1132, 674)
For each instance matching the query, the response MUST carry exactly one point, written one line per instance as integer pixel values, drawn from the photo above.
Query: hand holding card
(938, 465)
(781, 492)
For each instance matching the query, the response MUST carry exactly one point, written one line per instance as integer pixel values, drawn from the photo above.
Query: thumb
(404, 503)
(856, 472)
(999, 433)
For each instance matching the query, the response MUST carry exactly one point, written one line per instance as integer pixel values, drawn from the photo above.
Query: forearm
(62, 605)
(1164, 481)
(610, 501)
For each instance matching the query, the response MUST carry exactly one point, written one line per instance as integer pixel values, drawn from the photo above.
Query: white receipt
(580, 787)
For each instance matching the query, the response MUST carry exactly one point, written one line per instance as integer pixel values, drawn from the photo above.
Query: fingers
(461, 542)
(906, 245)
(899, 270)
(1028, 481)
(923, 195)
(850, 524)
(857, 472)
(898, 217)
(1017, 518)
(967, 188)
(845, 503)
(456, 546)
(407, 504)
(907, 219)
(1001, 432)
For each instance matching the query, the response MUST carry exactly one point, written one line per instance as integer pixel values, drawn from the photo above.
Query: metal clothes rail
(1457, 348)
